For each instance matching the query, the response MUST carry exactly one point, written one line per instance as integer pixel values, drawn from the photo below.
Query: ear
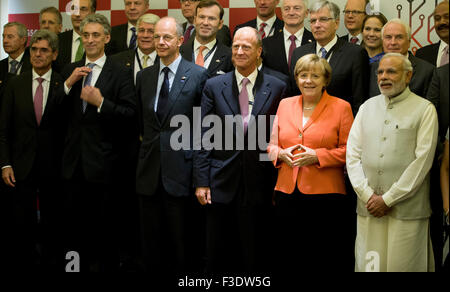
(221, 24)
(408, 77)
(55, 55)
(107, 38)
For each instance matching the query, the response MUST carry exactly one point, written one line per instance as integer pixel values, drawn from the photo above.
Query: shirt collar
(209, 45)
(298, 34)
(75, 36)
(251, 77)
(399, 98)
(18, 59)
(269, 22)
(100, 62)
(151, 56)
(442, 47)
(327, 46)
(173, 66)
(130, 26)
(46, 76)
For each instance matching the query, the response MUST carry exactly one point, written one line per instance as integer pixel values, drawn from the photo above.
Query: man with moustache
(437, 54)
(267, 23)
(354, 14)
(31, 138)
(397, 39)
(50, 18)
(278, 49)
(123, 36)
(390, 151)
(188, 8)
(204, 48)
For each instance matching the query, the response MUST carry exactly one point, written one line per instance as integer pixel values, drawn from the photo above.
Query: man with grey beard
(390, 151)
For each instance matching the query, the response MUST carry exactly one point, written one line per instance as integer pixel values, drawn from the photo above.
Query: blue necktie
(133, 39)
(324, 53)
(163, 95)
(87, 82)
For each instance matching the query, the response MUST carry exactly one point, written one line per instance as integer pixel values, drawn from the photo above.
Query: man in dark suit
(100, 98)
(205, 49)
(354, 14)
(437, 54)
(70, 44)
(438, 94)
(349, 62)
(234, 184)
(14, 43)
(123, 36)
(279, 48)
(266, 22)
(170, 88)
(31, 139)
(397, 39)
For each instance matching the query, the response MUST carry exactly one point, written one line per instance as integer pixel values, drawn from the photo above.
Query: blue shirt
(173, 67)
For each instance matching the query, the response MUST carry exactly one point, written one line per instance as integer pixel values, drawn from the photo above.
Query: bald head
(246, 50)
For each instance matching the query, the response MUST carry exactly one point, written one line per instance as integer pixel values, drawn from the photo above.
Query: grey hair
(332, 7)
(407, 66)
(257, 35)
(305, 2)
(21, 28)
(148, 18)
(49, 36)
(53, 10)
(401, 22)
(96, 18)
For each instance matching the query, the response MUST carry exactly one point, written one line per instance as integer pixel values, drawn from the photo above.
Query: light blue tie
(87, 82)
(324, 53)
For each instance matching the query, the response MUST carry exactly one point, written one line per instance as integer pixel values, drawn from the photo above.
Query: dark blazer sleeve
(5, 123)
(429, 53)
(224, 36)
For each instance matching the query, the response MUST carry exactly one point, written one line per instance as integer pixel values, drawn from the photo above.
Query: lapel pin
(310, 41)
(128, 64)
(217, 61)
(1, 81)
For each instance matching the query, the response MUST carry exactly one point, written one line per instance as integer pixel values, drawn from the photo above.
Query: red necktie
(262, 32)
(354, 40)
(292, 47)
(243, 103)
(187, 34)
(38, 101)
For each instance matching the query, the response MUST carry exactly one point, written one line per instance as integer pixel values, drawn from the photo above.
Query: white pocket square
(220, 72)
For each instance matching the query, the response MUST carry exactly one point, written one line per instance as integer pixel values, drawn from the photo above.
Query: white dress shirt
(45, 86)
(130, 33)
(287, 41)
(250, 85)
(140, 62)
(327, 47)
(390, 151)
(209, 47)
(440, 53)
(19, 65)
(172, 72)
(75, 44)
(269, 29)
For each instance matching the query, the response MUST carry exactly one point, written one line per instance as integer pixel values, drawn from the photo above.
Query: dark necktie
(163, 95)
(292, 47)
(133, 38)
(187, 34)
(354, 40)
(324, 53)
(14, 67)
(87, 82)
(243, 103)
(38, 101)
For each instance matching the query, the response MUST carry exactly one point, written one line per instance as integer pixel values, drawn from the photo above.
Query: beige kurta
(390, 151)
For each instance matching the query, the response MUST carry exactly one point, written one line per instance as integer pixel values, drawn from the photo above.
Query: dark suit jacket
(275, 51)
(280, 76)
(24, 144)
(118, 41)
(350, 71)
(127, 59)
(420, 81)
(223, 35)
(92, 137)
(429, 53)
(157, 160)
(438, 94)
(65, 50)
(220, 61)
(277, 26)
(228, 172)
(25, 66)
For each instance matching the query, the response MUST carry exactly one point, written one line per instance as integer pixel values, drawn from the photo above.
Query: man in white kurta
(390, 151)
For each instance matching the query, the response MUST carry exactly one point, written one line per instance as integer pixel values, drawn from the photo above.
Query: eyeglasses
(353, 12)
(320, 20)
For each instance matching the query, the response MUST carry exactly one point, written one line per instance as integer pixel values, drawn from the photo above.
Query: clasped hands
(298, 160)
(376, 206)
(90, 94)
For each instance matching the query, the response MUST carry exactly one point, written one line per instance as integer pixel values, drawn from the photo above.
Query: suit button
(381, 155)
(386, 122)
(380, 172)
(384, 138)
(390, 106)
(300, 135)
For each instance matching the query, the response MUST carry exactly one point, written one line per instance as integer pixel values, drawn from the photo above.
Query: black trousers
(171, 233)
(315, 232)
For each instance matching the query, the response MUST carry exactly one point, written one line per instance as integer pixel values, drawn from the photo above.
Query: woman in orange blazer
(308, 146)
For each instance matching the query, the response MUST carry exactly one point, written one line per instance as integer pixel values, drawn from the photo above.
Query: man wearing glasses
(354, 14)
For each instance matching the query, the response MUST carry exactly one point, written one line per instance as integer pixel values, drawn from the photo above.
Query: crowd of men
(86, 132)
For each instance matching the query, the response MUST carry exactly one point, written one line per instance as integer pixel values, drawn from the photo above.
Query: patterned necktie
(187, 34)
(262, 32)
(444, 58)
(14, 67)
(243, 103)
(80, 51)
(163, 95)
(38, 101)
(87, 82)
(292, 47)
(323, 52)
(200, 59)
(354, 40)
(145, 61)
(133, 38)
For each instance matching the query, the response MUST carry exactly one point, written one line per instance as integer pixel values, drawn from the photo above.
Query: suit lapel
(336, 52)
(230, 93)
(52, 91)
(148, 100)
(307, 37)
(217, 58)
(262, 94)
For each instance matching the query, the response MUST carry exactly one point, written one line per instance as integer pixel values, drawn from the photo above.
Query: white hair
(401, 22)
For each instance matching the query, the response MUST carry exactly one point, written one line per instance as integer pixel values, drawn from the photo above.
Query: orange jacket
(326, 132)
